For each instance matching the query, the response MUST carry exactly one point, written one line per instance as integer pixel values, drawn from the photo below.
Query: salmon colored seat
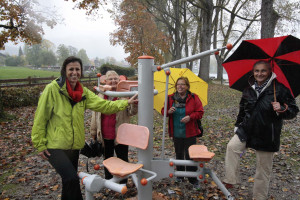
(125, 86)
(132, 135)
(200, 153)
(120, 168)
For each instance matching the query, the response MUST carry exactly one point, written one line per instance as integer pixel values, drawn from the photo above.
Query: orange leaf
(54, 188)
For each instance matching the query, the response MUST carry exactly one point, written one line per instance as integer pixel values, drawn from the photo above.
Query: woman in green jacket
(58, 130)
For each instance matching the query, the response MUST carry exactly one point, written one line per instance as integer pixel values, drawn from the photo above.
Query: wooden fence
(35, 81)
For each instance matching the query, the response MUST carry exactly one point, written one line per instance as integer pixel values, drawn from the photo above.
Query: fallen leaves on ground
(24, 175)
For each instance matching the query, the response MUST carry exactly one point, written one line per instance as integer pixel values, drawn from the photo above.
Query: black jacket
(258, 124)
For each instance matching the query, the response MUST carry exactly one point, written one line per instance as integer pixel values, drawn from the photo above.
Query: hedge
(12, 97)
(127, 71)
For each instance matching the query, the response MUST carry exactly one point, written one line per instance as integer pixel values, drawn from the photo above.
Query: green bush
(127, 71)
(21, 96)
(1, 105)
(12, 97)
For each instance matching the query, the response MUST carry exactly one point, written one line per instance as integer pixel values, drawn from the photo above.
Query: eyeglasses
(113, 79)
(181, 84)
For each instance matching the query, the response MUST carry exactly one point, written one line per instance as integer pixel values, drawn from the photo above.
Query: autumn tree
(172, 18)
(137, 33)
(22, 21)
(90, 6)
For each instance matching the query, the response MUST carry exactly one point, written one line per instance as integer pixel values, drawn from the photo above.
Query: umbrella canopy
(282, 52)
(197, 85)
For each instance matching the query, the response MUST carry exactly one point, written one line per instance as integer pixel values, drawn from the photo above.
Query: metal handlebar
(194, 57)
(120, 94)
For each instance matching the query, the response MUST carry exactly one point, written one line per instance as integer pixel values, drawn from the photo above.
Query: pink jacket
(121, 117)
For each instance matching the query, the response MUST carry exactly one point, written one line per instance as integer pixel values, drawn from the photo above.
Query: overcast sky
(83, 33)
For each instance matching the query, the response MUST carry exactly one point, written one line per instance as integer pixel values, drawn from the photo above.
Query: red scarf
(75, 94)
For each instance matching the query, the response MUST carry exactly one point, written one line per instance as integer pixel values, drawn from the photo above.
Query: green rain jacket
(59, 122)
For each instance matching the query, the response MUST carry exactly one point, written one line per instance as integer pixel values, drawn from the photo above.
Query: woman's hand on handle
(133, 99)
(276, 106)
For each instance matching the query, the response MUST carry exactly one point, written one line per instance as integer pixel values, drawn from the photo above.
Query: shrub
(21, 96)
(12, 97)
(127, 71)
(1, 105)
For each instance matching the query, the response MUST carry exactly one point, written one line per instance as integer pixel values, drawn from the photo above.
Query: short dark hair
(68, 60)
(266, 63)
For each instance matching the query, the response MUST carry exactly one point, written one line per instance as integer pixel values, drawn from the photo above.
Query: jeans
(181, 149)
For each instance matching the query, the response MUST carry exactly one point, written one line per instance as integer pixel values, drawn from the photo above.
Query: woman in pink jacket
(104, 127)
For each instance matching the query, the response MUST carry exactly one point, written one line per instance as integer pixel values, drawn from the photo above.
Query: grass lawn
(24, 72)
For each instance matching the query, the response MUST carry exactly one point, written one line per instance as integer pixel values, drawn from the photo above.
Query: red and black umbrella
(282, 52)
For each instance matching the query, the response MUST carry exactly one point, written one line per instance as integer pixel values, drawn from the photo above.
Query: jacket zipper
(61, 92)
(72, 128)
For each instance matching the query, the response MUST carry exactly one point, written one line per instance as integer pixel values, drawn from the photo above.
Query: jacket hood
(61, 81)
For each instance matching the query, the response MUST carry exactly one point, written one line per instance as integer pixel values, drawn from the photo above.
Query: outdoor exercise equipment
(149, 169)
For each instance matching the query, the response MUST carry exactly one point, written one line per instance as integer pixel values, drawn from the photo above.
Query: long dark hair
(68, 60)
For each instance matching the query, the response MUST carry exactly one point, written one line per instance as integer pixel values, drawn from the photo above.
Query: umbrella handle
(274, 91)
(286, 107)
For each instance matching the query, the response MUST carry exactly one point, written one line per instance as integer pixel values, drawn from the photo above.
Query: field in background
(24, 72)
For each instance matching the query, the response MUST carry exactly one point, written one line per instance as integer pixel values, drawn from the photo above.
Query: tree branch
(235, 14)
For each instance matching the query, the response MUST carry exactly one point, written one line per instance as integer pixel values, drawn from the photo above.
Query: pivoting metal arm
(168, 72)
(120, 94)
(195, 57)
(116, 94)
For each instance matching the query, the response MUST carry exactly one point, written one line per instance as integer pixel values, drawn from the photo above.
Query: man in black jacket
(258, 126)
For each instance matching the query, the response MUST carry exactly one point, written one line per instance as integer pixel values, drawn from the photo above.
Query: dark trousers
(181, 150)
(121, 152)
(65, 162)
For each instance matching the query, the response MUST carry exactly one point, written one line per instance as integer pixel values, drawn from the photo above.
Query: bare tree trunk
(215, 38)
(205, 40)
(269, 18)
(169, 13)
(177, 30)
(196, 39)
(185, 35)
